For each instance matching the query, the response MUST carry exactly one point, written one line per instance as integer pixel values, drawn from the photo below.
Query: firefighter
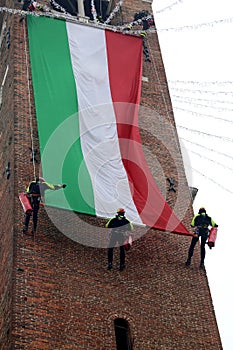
(35, 192)
(119, 225)
(200, 223)
(30, 5)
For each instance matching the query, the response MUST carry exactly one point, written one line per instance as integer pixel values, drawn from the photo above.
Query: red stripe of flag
(152, 207)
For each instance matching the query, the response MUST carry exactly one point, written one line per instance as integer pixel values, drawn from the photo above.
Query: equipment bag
(128, 243)
(212, 237)
(27, 208)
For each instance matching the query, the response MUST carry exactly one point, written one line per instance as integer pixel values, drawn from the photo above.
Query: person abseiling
(201, 223)
(35, 192)
(119, 225)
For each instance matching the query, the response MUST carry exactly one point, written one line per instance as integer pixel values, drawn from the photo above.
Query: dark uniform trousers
(116, 237)
(35, 203)
(203, 233)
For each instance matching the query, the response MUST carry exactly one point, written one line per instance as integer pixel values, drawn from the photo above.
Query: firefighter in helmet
(119, 225)
(201, 223)
(35, 192)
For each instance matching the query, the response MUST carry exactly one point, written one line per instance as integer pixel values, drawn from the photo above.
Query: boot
(202, 266)
(25, 229)
(188, 262)
(109, 266)
(122, 267)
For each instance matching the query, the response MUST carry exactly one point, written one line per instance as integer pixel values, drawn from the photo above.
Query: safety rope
(31, 133)
(29, 101)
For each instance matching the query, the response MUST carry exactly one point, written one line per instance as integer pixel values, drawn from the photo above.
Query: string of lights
(199, 25)
(57, 7)
(188, 98)
(65, 16)
(209, 178)
(37, 13)
(139, 21)
(93, 11)
(207, 148)
(169, 7)
(113, 13)
(200, 83)
(209, 159)
(115, 28)
(228, 139)
(203, 115)
(201, 91)
(200, 105)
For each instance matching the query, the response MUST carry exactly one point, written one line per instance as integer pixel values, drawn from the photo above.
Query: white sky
(198, 60)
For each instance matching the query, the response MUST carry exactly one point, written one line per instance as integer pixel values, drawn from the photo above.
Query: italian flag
(87, 86)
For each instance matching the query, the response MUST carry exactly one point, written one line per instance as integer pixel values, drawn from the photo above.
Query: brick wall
(6, 184)
(63, 295)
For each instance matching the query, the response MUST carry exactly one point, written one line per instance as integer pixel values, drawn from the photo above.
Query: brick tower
(58, 294)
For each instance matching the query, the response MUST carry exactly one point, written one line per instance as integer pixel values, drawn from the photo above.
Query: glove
(64, 186)
(57, 187)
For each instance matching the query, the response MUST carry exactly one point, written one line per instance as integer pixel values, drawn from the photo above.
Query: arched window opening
(122, 332)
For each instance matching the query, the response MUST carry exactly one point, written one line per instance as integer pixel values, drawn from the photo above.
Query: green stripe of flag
(57, 118)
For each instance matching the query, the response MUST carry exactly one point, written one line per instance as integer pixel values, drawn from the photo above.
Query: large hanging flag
(87, 86)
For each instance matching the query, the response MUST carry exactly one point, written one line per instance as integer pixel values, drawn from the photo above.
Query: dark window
(122, 332)
(71, 6)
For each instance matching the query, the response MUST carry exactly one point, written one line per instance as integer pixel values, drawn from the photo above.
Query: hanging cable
(29, 100)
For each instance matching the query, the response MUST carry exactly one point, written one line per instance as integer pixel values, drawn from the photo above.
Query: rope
(29, 100)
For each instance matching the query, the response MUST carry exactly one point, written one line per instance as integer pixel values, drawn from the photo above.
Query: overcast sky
(195, 40)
